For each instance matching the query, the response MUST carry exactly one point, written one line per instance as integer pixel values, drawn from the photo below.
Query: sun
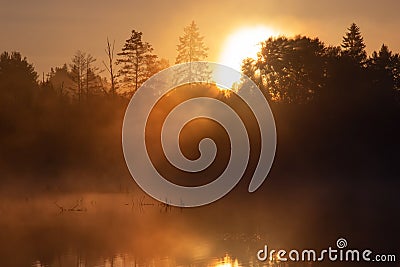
(244, 43)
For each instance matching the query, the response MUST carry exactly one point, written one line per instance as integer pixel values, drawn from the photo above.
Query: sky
(48, 32)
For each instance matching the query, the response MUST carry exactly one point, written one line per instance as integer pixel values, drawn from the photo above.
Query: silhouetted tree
(60, 80)
(250, 68)
(84, 74)
(92, 80)
(78, 66)
(18, 78)
(292, 70)
(353, 45)
(384, 66)
(110, 67)
(191, 48)
(138, 61)
(154, 65)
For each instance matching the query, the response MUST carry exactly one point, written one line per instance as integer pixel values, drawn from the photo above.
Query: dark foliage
(331, 114)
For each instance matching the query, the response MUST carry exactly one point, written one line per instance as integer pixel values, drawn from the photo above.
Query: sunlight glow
(241, 44)
(244, 43)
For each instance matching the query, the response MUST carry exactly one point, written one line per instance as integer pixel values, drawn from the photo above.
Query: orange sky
(49, 32)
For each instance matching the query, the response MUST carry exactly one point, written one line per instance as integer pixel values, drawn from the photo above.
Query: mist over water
(67, 198)
(128, 228)
(96, 229)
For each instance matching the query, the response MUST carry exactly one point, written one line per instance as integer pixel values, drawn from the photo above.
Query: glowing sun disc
(242, 44)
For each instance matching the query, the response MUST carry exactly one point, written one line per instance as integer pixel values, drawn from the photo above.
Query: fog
(68, 199)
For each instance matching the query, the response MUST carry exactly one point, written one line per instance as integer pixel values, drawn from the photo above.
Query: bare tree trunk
(110, 68)
(87, 79)
(136, 74)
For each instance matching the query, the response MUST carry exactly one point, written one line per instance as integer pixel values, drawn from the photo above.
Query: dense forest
(336, 110)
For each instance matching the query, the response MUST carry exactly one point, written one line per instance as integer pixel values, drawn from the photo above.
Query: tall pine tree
(191, 48)
(137, 61)
(78, 66)
(384, 66)
(353, 45)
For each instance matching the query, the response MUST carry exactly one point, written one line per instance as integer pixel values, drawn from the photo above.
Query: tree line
(299, 69)
(55, 124)
(82, 79)
(303, 69)
(332, 104)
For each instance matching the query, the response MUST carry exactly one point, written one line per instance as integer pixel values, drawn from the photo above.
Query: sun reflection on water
(227, 261)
